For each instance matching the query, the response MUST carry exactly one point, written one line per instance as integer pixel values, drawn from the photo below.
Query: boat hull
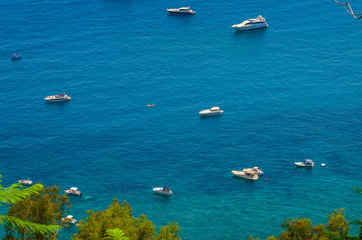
(78, 193)
(251, 27)
(171, 11)
(57, 100)
(302, 165)
(160, 192)
(245, 176)
(210, 113)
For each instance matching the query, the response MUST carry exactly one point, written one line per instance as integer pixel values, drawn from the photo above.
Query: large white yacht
(182, 10)
(252, 23)
(245, 174)
(61, 97)
(211, 111)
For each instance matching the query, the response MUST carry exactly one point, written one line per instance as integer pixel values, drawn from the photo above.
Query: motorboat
(162, 190)
(252, 23)
(73, 191)
(255, 170)
(306, 163)
(16, 56)
(323, 165)
(61, 97)
(245, 174)
(181, 10)
(211, 111)
(69, 219)
(26, 182)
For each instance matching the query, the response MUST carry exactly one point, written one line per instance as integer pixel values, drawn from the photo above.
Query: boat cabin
(308, 162)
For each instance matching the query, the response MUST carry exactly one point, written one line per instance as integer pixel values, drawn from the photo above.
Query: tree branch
(350, 10)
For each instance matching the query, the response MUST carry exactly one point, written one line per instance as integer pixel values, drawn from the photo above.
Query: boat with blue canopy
(306, 163)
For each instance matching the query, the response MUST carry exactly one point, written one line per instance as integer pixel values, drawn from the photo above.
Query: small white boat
(61, 97)
(306, 163)
(246, 174)
(211, 111)
(69, 219)
(26, 182)
(162, 190)
(252, 23)
(73, 191)
(323, 165)
(255, 170)
(182, 11)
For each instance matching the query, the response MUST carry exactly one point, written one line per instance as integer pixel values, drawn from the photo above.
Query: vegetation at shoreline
(303, 229)
(118, 219)
(36, 213)
(16, 194)
(46, 207)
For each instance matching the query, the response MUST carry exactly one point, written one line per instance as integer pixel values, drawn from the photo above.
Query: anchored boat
(246, 174)
(252, 23)
(162, 190)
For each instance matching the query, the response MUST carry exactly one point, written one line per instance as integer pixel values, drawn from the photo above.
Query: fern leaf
(115, 234)
(35, 227)
(15, 192)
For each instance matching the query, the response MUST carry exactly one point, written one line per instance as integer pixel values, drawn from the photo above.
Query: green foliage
(115, 234)
(337, 224)
(16, 194)
(301, 229)
(169, 232)
(44, 208)
(116, 216)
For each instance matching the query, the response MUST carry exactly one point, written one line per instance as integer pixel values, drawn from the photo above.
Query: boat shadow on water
(243, 179)
(204, 117)
(252, 33)
(57, 103)
(162, 198)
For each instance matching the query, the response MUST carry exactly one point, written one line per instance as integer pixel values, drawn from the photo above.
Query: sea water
(289, 92)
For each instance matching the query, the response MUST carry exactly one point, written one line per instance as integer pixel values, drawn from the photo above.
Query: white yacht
(69, 219)
(61, 97)
(182, 10)
(255, 170)
(306, 163)
(73, 191)
(26, 182)
(245, 174)
(162, 190)
(211, 111)
(252, 23)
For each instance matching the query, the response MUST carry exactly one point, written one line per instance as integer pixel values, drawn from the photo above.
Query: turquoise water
(289, 92)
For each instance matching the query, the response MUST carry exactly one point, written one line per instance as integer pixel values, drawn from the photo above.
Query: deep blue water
(289, 92)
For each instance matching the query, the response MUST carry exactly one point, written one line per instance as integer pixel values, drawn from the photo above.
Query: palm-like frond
(115, 234)
(16, 192)
(35, 227)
